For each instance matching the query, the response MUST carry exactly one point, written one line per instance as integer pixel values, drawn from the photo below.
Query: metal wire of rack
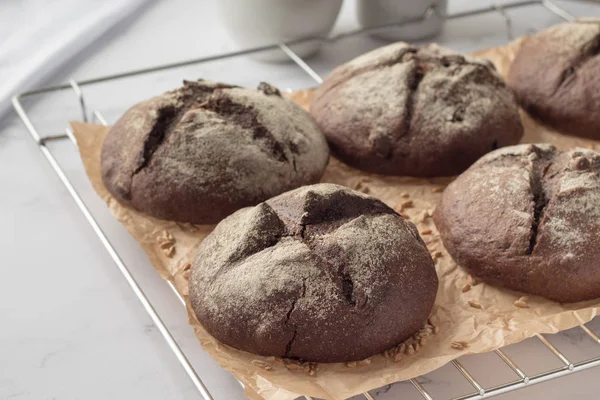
(521, 379)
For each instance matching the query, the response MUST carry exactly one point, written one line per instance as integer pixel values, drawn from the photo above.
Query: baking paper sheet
(498, 323)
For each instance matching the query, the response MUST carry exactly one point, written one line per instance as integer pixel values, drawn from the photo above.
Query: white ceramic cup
(373, 13)
(254, 23)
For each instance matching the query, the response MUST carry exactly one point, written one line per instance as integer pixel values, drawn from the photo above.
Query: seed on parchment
(351, 364)
(410, 350)
(475, 304)
(310, 368)
(423, 341)
(521, 304)
(186, 267)
(262, 364)
(437, 190)
(169, 251)
(404, 195)
(406, 204)
(186, 226)
(402, 348)
(360, 186)
(165, 236)
(425, 215)
(466, 288)
(459, 345)
(398, 357)
(417, 346)
(471, 280)
(292, 366)
(166, 244)
(426, 232)
(437, 254)
(364, 363)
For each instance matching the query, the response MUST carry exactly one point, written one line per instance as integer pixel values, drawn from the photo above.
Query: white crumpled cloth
(38, 36)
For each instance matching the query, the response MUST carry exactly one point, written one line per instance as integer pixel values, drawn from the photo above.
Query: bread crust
(556, 76)
(200, 152)
(527, 218)
(416, 111)
(321, 273)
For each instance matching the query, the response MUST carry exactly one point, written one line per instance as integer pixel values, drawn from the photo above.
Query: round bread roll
(556, 76)
(527, 218)
(321, 274)
(200, 152)
(416, 111)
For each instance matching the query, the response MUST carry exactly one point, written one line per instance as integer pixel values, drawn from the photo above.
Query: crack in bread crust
(246, 117)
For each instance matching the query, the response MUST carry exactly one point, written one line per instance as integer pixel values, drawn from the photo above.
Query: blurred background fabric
(38, 36)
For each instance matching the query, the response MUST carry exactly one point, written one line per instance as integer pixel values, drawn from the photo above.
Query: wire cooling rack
(520, 378)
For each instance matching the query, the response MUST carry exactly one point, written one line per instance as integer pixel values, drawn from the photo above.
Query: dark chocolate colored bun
(416, 111)
(527, 217)
(556, 76)
(200, 152)
(321, 273)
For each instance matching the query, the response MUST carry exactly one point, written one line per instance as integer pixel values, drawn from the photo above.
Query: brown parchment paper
(499, 323)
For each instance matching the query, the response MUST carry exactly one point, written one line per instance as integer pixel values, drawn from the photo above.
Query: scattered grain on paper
(361, 187)
(406, 204)
(466, 288)
(404, 195)
(424, 216)
(292, 366)
(364, 363)
(475, 304)
(351, 364)
(521, 304)
(262, 364)
(459, 345)
(426, 232)
(169, 251)
(165, 245)
(166, 236)
(471, 280)
(437, 190)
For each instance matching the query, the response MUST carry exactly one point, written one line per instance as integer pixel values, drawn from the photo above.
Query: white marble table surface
(71, 328)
